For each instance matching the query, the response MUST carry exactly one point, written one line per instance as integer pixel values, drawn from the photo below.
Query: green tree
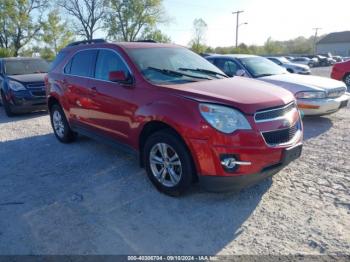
(87, 15)
(200, 28)
(47, 54)
(5, 52)
(55, 33)
(18, 27)
(128, 19)
(156, 35)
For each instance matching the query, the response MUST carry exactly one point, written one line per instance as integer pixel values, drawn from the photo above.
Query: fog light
(229, 162)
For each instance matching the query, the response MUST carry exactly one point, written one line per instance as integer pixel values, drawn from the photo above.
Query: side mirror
(241, 72)
(118, 76)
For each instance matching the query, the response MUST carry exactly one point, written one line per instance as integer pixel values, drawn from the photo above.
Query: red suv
(185, 118)
(341, 71)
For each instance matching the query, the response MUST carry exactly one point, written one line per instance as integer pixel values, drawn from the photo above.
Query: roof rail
(84, 42)
(146, 41)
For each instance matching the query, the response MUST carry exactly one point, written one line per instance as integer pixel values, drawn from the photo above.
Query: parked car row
(22, 87)
(315, 95)
(187, 118)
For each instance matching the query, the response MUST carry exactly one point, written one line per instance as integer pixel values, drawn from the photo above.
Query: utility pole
(237, 25)
(316, 32)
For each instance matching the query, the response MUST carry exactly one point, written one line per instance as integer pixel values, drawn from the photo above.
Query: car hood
(296, 83)
(297, 65)
(31, 78)
(247, 95)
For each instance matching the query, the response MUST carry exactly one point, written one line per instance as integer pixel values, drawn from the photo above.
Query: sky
(279, 19)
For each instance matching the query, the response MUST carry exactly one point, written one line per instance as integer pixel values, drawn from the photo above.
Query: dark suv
(183, 116)
(22, 84)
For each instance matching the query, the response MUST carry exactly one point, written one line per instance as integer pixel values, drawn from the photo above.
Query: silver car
(290, 66)
(315, 95)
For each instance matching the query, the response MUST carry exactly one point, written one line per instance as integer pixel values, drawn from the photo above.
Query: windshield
(283, 60)
(26, 66)
(173, 65)
(260, 66)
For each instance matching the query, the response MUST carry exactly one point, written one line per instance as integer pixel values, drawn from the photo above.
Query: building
(335, 43)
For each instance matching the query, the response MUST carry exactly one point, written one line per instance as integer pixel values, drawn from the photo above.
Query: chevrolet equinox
(186, 120)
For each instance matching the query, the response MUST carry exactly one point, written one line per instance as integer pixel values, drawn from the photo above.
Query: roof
(124, 45)
(337, 37)
(131, 45)
(232, 56)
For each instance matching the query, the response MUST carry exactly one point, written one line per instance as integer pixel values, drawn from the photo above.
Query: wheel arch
(156, 126)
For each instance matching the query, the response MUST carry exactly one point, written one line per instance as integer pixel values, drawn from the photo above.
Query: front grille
(37, 89)
(40, 85)
(336, 92)
(38, 93)
(273, 113)
(280, 136)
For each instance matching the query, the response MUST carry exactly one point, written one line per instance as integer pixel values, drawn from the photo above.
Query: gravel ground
(88, 198)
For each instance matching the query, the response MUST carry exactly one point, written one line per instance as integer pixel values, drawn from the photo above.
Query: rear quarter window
(59, 58)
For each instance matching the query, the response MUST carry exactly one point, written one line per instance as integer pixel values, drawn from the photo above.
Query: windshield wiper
(205, 71)
(262, 75)
(175, 73)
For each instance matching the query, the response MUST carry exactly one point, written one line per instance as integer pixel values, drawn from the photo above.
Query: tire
(290, 70)
(347, 80)
(168, 177)
(6, 105)
(60, 125)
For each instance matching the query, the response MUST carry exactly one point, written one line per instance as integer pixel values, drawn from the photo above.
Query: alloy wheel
(58, 123)
(165, 164)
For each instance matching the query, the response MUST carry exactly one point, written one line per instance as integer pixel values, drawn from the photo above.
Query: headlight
(16, 86)
(311, 94)
(222, 118)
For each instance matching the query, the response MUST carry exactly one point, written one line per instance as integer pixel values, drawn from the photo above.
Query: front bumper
(235, 183)
(316, 107)
(258, 158)
(22, 102)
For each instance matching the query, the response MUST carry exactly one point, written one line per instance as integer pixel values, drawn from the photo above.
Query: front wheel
(6, 105)
(168, 163)
(347, 80)
(60, 125)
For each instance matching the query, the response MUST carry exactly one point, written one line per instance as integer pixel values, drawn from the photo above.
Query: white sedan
(315, 95)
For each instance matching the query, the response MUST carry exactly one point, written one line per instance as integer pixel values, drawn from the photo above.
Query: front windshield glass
(165, 65)
(283, 60)
(260, 66)
(26, 66)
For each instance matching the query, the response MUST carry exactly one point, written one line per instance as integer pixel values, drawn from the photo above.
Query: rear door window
(82, 64)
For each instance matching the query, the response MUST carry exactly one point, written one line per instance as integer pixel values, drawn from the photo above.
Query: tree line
(300, 45)
(45, 27)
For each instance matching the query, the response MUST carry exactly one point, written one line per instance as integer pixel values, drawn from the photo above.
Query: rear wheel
(6, 105)
(168, 163)
(290, 70)
(60, 125)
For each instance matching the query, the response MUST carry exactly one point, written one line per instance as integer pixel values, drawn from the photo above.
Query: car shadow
(88, 198)
(316, 126)
(18, 117)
